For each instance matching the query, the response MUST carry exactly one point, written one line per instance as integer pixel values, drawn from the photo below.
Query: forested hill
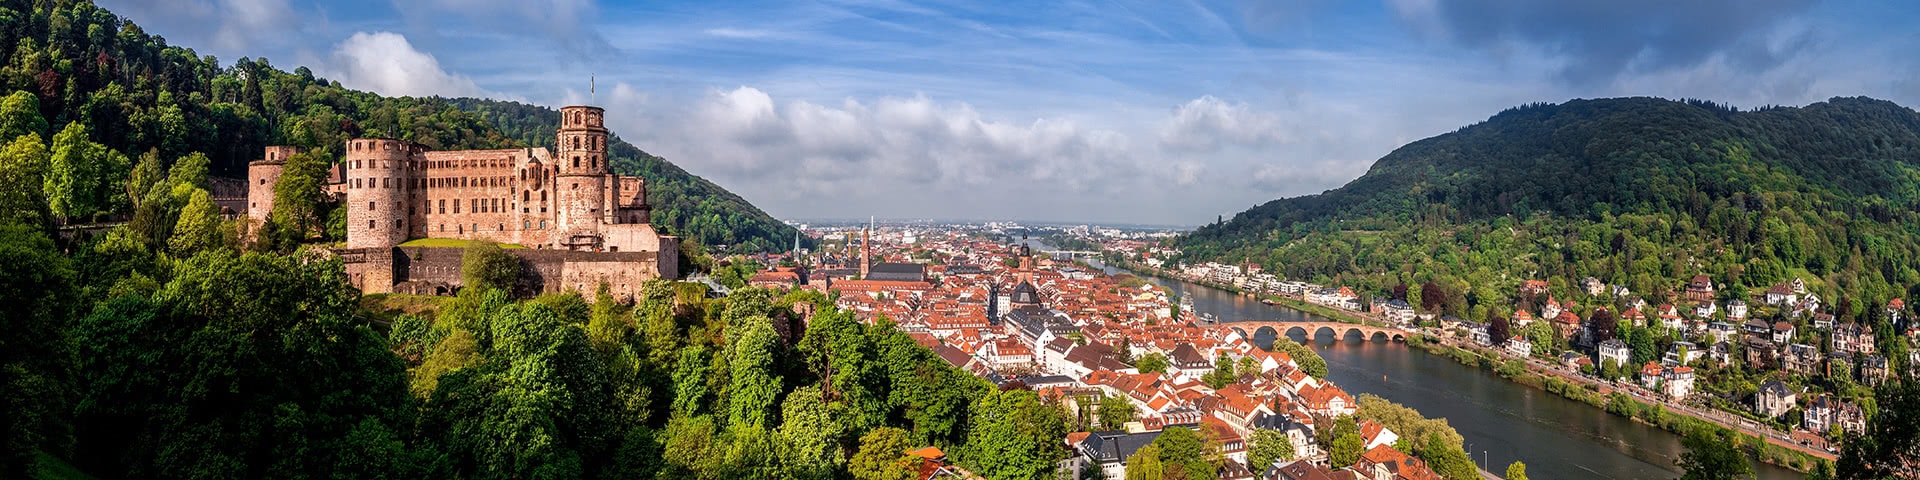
(1635, 191)
(135, 94)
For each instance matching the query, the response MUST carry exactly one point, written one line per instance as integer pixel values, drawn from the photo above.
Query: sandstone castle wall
(582, 225)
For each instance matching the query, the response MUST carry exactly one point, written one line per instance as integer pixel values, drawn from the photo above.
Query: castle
(582, 226)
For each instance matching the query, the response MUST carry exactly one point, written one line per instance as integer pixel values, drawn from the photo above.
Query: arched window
(526, 196)
(576, 161)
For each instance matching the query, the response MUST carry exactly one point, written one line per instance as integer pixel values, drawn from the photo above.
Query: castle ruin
(582, 225)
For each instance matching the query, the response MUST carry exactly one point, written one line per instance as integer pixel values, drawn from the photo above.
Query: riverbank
(1679, 421)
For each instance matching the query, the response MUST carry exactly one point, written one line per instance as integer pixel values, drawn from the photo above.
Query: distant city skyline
(1124, 112)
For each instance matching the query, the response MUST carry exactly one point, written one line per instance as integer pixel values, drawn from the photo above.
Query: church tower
(580, 177)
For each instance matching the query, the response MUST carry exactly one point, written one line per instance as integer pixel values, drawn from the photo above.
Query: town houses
(1014, 315)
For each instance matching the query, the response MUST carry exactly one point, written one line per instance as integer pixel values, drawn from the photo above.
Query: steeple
(866, 249)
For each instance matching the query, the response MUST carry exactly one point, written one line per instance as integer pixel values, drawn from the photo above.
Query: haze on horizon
(1136, 112)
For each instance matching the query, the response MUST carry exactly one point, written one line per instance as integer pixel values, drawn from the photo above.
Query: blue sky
(1150, 112)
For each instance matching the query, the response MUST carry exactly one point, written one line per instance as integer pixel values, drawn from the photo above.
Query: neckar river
(1502, 421)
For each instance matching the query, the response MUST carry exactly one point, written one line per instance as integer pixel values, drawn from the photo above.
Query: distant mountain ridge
(136, 93)
(1777, 191)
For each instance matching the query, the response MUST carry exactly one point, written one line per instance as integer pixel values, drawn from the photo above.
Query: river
(1501, 421)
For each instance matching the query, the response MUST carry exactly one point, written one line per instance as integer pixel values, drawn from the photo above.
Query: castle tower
(866, 251)
(262, 174)
(381, 177)
(580, 165)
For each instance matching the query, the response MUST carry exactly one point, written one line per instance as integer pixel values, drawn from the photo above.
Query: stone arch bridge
(1312, 329)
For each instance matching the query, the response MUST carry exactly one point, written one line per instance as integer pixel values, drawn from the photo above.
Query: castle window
(543, 196)
(370, 206)
(576, 161)
(476, 228)
(526, 196)
(576, 143)
(369, 224)
(596, 161)
(443, 227)
(526, 224)
(501, 227)
(443, 209)
(456, 206)
(397, 224)
(576, 185)
(543, 224)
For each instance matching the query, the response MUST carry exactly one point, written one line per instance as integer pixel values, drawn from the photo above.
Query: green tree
(484, 266)
(1713, 456)
(83, 178)
(883, 456)
(1014, 435)
(240, 366)
(1448, 459)
(199, 226)
(754, 387)
(23, 166)
(20, 115)
(1309, 360)
(1152, 362)
(458, 350)
(299, 194)
(1268, 447)
(147, 173)
(1145, 464)
(1347, 444)
(1891, 446)
(1516, 471)
(1115, 412)
(1185, 454)
(1248, 366)
(36, 298)
(809, 436)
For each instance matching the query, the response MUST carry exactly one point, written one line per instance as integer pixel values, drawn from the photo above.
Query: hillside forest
(69, 62)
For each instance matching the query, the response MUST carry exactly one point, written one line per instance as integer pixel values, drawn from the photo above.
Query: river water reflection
(1502, 421)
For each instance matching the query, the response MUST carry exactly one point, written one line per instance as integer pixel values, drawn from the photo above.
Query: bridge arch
(1312, 330)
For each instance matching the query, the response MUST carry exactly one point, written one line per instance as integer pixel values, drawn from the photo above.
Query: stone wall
(436, 270)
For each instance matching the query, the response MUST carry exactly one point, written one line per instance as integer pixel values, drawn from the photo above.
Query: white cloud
(386, 63)
(738, 33)
(1207, 124)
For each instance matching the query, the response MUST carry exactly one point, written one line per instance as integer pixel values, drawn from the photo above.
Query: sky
(1156, 112)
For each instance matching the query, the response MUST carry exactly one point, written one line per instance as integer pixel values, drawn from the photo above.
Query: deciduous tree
(1268, 446)
(1713, 456)
(1152, 362)
(883, 456)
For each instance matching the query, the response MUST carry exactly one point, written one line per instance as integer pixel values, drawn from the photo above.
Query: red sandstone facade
(566, 199)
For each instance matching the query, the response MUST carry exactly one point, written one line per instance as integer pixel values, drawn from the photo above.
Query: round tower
(380, 173)
(580, 166)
